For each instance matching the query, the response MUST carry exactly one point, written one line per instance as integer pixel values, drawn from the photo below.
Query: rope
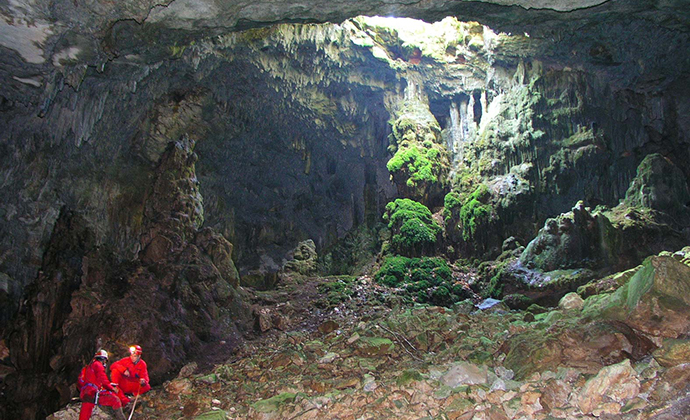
(135, 401)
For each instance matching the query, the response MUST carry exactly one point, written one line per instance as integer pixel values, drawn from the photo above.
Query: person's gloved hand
(126, 373)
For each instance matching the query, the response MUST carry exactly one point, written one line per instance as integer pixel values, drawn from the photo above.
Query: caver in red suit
(131, 375)
(95, 388)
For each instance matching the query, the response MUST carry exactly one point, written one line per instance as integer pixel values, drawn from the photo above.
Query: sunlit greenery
(439, 41)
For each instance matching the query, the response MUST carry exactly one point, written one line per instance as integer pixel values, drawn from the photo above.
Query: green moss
(273, 404)
(480, 357)
(408, 376)
(212, 415)
(177, 51)
(639, 284)
(338, 290)
(495, 288)
(414, 230)
(419, 162)
(451, 201)
(393, 271)
(374, 346)
(475, 212)
(420, 165)
(441, 296)
(256, 34)
(425, 280)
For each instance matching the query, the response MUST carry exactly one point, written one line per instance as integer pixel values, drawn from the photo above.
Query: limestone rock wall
(290, 125)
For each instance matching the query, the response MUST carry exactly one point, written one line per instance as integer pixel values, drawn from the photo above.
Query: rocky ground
(346, 348)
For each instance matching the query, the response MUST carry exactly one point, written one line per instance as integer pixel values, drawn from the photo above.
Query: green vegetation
(338, 290)
(414, 230)
(420, 163)
(424, 280)
(274, 403)
(470, 213)
(413, 40)
(475, 211)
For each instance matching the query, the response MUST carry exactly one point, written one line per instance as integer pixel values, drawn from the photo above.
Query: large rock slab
(656, 300)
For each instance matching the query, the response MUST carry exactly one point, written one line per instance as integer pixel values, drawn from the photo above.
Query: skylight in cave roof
(434, 39)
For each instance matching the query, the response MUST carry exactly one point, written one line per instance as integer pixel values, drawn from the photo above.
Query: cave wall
(292, 125)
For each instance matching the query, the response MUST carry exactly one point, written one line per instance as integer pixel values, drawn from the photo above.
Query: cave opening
(220, 174)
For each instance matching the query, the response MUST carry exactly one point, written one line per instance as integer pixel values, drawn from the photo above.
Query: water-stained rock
(303, 258)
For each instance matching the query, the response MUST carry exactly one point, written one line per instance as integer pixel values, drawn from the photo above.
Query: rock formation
(158, 157)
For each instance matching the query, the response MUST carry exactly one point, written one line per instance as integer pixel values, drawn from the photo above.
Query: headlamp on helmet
(135, 349)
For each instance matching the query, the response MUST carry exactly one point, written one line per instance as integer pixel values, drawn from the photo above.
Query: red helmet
(135, 349)
(101, 355)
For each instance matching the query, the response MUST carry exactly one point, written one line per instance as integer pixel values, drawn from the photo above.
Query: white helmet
(101, 355)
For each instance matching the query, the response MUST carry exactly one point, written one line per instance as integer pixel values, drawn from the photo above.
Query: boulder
(673, 352)
(659, 185)
(572, 240)
(303, 258)
(571, 301)
(374, 346)
(655, 301)
(463, 373)
(617, 383)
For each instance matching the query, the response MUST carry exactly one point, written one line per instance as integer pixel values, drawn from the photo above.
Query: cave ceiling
(36, 36)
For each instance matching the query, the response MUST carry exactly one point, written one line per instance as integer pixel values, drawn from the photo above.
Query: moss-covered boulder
(575, 239)
(673, 352)
(303, 259)
(414, 230)
(212, 415)
(274, 403)
(425, 280)
(655, 301)
(374, 346)
(568, 341)
(660, 185)
(420, 164)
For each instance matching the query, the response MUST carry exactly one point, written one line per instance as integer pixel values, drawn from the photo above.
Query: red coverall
(130, 382)
(96, 381)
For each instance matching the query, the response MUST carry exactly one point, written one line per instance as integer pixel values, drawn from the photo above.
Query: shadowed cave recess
(163, 166)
